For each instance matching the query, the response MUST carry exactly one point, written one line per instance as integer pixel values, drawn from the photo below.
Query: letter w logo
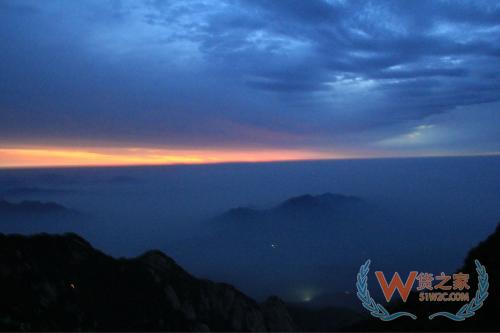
(396, 283)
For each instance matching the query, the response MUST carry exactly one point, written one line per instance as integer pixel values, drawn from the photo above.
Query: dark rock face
(487, 252)
(61, 283)
(326, 319)
(276, 313)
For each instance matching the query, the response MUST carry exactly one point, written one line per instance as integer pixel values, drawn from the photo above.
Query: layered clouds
(366, 78)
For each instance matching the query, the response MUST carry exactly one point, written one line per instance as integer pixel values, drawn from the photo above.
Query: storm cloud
(400, 77)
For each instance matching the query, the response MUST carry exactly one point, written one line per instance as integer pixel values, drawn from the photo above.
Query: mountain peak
(322, 206)
(323, 200)
(61, 283)
(31, 207)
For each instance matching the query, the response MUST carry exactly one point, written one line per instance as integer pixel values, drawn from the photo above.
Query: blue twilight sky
(369, 77)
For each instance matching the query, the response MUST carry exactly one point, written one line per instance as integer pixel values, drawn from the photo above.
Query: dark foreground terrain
(61, 283)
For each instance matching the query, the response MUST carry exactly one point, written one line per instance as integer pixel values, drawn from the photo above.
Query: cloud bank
(371, 77)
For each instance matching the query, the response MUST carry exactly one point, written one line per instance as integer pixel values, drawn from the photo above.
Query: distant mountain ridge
(32, 208)
(323, 200)
(19, 191)
(295, 206)
(302, 235)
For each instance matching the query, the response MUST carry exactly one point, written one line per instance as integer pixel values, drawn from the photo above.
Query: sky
(101, 82)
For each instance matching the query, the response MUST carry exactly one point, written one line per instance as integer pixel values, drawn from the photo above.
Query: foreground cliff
(61, 283)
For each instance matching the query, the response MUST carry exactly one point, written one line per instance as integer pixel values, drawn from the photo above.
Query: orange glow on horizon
(76, 157)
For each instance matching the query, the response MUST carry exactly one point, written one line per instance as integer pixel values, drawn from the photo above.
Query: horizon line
(176, 164)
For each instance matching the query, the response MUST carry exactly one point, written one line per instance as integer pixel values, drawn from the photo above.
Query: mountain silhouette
(31, 208)
(325, 201)
(61, 283)
(304, 206)
(22, 191)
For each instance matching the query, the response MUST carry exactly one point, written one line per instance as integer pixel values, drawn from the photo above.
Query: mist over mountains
(299, 230)
(22, 191)
(31, 208)
(302, 207)
(28, 216)
(304, 236)
(61, 282)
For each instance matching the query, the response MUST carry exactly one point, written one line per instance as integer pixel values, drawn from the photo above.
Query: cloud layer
(330, 75)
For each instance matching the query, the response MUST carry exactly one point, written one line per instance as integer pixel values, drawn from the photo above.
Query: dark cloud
(328, 73)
